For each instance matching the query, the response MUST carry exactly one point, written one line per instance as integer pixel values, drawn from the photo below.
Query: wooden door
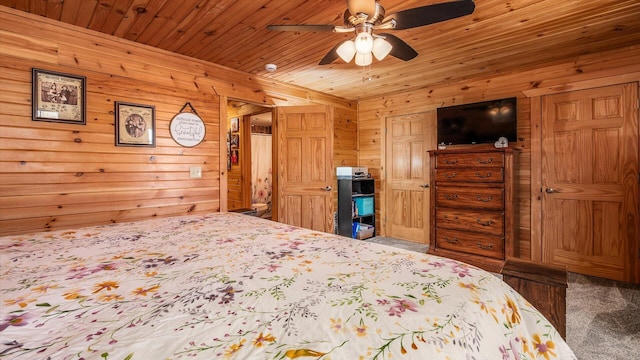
(408, 138)
(590, 181)
(305, 166)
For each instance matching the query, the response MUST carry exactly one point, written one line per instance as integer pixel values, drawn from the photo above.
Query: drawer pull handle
(450, 175)
(484, 223)
(488, 161)
(487, 199)
(485, 247)
(451, 241)
(483, 176)
(450, 162)
(450, 197)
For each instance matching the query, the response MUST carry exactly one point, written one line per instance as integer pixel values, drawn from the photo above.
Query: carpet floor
(603, 316)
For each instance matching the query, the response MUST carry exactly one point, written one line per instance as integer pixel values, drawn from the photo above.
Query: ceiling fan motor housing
(353, 20)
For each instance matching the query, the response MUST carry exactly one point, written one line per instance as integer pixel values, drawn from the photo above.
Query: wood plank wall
(56, 175)
(590, 70)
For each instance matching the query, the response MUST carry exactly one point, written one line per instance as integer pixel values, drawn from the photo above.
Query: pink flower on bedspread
(229, 293)
(15, 320)
(81, 272)
(293, 244)
(273, 267)
(401, 306)
(461, 270)
(512, 352)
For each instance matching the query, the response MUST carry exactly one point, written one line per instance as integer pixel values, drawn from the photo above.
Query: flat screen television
(482, 122)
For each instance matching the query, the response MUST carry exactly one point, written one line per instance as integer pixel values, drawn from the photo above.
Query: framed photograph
(135, 124)
(235, 124)
(234, 157)
(58, 97)
(235, 141)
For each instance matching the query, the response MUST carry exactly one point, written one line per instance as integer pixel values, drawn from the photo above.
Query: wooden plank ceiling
(499, 37)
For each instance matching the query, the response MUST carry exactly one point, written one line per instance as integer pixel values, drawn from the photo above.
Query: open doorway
(250, 158)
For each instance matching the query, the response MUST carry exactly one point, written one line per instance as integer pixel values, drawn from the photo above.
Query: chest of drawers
(472, 205)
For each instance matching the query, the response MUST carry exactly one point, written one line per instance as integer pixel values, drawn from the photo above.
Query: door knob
(551, 190)
(424, 186)
(327, 188)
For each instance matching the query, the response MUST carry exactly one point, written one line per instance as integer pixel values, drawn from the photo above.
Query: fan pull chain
(366, 73)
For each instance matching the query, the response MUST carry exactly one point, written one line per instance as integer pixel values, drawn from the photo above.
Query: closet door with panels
(590, 181)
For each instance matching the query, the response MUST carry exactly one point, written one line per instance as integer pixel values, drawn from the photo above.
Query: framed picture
(234, 157)
(235, 124)
(135, 125)
(235, 141)
(58, 97)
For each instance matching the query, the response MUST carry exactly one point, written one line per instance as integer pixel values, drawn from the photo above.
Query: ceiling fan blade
(400, 49)
(307, 28)
(431, 14)
(332, 55)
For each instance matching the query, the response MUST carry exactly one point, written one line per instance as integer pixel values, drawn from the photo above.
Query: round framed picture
(187, 129)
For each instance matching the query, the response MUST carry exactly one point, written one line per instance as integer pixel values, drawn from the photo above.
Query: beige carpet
(603, 316)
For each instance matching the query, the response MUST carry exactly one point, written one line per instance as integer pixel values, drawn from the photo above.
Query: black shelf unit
(356, 194)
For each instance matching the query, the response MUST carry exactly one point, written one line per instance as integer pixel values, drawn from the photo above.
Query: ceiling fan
(364, 16)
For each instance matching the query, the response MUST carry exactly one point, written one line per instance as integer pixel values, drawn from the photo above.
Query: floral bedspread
(227, 285)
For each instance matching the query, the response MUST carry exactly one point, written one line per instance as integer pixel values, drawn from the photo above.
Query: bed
(231, 286)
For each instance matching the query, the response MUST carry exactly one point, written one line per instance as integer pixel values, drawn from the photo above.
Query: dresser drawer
(471, 243)
(470, 197)
(479, 159)
(479, 221)
(471, 175)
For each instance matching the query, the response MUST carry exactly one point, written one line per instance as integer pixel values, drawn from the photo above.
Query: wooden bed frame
(544, 286)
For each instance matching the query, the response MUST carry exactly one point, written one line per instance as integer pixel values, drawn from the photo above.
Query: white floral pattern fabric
(231, 286)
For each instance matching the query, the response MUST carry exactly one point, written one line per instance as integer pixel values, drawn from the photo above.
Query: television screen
(483, 122)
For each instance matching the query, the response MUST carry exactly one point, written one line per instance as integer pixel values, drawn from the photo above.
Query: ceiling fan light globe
(346, 51)
(364, 43)
(364, 59)
(381, 48)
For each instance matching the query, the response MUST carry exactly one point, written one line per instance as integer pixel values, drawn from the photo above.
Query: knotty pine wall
(56, 175)
(588, 71)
